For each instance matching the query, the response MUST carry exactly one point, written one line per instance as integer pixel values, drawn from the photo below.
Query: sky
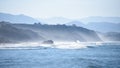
(62, 8)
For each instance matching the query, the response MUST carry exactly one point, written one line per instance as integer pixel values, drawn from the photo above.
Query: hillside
(100, 19)
(17, 18)
(55, 20)
(61, 32)
(98, 26)
(9, 33)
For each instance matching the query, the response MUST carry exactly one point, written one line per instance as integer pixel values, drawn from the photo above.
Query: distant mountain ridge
(55, 20)
(98, 26)
(58, 20)
(100, 19)
(97, 23)
(62, 20)
(17, 18)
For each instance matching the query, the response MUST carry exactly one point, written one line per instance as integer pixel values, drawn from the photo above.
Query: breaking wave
(59, 45)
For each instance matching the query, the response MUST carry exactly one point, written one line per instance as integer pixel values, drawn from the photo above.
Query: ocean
(104, 56)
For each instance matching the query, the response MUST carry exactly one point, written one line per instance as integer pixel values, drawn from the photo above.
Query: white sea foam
(60, 45)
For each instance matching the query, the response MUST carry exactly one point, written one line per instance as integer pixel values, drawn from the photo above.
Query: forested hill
(61, 32)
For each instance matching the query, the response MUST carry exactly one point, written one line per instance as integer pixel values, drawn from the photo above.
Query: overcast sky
(63, 8)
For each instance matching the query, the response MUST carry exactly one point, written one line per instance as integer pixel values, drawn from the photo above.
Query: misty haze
(59, 34)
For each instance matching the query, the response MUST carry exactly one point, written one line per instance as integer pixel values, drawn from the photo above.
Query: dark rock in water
(90, 46)
(48, 42)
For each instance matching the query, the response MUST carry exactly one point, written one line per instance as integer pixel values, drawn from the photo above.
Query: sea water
(104, 56)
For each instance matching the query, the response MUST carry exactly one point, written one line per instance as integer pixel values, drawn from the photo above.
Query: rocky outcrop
(48, 42)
